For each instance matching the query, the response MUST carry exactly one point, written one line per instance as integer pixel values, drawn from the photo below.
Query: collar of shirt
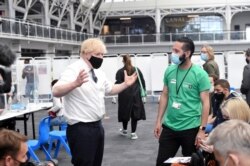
(85, 65)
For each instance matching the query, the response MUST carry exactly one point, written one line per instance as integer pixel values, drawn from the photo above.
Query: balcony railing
(18, 29)
(170, 37)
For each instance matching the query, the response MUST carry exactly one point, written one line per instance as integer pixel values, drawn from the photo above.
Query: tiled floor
(119, 150)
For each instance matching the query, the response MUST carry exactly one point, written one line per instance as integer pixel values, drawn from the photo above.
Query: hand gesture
(81, 78)
(129, 80)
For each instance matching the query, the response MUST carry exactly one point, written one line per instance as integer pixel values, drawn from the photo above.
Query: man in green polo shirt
(184, 104)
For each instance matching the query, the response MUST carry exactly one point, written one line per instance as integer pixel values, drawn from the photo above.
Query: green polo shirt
(184, 109)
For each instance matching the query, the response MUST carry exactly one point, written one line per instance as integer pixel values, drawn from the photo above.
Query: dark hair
(7, 57)
(248, 52)
(26, 61)
(188, 44)
(54, 82)
(127, 64)
(223, 83)
(10, 142)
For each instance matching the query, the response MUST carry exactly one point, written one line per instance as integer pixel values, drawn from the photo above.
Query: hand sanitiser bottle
(9, 103)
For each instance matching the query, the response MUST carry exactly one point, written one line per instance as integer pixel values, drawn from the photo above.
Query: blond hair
(236, 108)
(93, 45)
(210, 51)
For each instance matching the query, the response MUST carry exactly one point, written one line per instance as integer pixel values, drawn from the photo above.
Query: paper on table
(178, 160)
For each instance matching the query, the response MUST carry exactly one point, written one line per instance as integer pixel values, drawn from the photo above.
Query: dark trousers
(86, 142)
(133, 125)
(170, 141)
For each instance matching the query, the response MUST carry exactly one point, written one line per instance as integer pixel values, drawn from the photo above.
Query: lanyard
(178, 88)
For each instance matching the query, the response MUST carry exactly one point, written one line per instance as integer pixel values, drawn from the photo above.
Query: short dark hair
(54, 82)
(188, 44)
(248, 52)
(10, 142)
(223, 83)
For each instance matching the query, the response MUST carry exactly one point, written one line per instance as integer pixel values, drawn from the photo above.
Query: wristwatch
(202, 128)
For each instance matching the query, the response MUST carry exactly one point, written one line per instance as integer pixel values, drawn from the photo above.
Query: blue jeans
(57, 121)
(29, 90)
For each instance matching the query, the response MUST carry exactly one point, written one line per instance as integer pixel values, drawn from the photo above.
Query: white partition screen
(110, 66)
(21, 79)
(43, 65)
(235, 65)
(59, 65)
(142, 61)
(219, 58)
(159, 63)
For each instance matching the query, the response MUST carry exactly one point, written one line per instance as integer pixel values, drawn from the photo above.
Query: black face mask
(95, 62)
(247, 61)
(219, 96)
(182, 59)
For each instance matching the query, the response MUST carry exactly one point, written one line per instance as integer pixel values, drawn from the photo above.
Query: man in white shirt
(84, 86)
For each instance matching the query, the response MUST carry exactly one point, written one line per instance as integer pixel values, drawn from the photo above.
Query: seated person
(221, 93)
(231, 141)
(234, 108)
(13, 150)
(56, 112)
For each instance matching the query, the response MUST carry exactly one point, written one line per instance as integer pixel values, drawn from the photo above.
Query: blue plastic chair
(60, 137)
(43, 139)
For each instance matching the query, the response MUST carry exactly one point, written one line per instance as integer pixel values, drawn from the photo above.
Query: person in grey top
(28, 73)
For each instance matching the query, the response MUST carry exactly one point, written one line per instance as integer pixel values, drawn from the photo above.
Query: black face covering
(95, 62)
(247, 61)
(182, 59)
(219, 96)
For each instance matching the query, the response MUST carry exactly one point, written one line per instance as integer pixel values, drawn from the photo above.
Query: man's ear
(234, 158)
(188, 54)
(7, 160)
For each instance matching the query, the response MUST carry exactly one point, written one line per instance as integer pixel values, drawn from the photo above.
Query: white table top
(32, 107)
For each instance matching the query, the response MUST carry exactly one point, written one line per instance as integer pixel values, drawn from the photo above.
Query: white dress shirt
(85, 103)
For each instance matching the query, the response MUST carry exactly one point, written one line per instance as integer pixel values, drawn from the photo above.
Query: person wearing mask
(221, 94)
(233, 108)
(210, 120)
(184, 104)
(130, 104)
(83, 87)
(230, 141)
(29, 72)
(245, 85)
(210, 66)
(13, 150)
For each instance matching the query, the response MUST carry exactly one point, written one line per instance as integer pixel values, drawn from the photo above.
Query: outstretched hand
(81, 78)
(129, 80)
